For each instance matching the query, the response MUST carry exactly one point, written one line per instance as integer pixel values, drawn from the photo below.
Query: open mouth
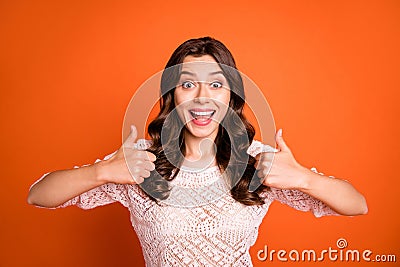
(202, 116)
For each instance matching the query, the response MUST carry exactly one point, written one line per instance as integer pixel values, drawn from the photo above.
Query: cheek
(180, 103)
(181, 98)
(176, 99)
(224, 99)
(228, 98)
(223, 103)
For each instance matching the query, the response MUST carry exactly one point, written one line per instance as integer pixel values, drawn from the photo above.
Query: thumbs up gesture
(280, 169)
(128, 165)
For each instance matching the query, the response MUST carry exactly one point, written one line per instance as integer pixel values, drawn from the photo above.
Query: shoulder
(256, 147)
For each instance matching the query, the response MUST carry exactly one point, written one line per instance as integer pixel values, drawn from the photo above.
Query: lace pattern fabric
(217, 233)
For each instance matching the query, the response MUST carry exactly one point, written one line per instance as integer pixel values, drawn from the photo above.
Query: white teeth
(202, 113)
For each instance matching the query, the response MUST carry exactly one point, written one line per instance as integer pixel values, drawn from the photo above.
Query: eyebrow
(193, 74)
(187, 73)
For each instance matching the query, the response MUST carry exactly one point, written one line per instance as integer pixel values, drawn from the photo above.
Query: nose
(202, 94)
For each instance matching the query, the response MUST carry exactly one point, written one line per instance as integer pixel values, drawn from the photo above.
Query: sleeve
(301, 201)
(100, 196)
(293, 198)
(104, 194)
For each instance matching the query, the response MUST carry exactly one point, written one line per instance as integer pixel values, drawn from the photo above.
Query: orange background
(329, 69)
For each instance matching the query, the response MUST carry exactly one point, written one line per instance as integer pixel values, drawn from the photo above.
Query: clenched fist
(128, 165)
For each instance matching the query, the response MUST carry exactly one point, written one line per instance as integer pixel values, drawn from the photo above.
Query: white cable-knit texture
(217, 231)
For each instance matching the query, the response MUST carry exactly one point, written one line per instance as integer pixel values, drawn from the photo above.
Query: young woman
(187, 188)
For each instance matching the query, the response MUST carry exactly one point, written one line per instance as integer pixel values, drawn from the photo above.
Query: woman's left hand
(280, 169)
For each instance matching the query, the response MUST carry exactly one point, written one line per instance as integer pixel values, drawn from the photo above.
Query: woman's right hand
(59, 186)
(128, 165)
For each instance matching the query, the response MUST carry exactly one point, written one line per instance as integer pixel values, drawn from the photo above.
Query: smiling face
(202, 96)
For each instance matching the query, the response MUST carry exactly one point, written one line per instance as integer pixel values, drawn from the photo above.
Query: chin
(209, 131)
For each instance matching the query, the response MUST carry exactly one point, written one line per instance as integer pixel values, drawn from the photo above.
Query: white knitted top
(218, 231)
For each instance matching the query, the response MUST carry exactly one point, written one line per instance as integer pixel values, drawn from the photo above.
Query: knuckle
(152, 166)
(151, 156)
(138, 153)
(133, 180)
(267, 181)
(135, 170)
(138, 180)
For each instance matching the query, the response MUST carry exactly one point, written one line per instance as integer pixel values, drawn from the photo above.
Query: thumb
(130, 141)
(280, 142)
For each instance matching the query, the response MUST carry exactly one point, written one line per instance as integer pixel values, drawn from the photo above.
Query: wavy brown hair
(235, 132)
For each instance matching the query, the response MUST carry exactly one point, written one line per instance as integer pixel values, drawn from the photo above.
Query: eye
(188, 85)
(216, 84)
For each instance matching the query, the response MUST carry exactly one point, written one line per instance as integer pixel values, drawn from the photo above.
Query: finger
(268, 156)
(280, 142)
(263, 174)
(137, 179)
(266, 169)
(144, 173)
(266, 181)
(148, 165)
(130, 141)
(257, 165)
(139, 174)
(144, 155)
(261, 164)
(150, 156)
(265, 157)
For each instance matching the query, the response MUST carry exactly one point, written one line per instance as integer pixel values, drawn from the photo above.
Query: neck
(199, 152)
